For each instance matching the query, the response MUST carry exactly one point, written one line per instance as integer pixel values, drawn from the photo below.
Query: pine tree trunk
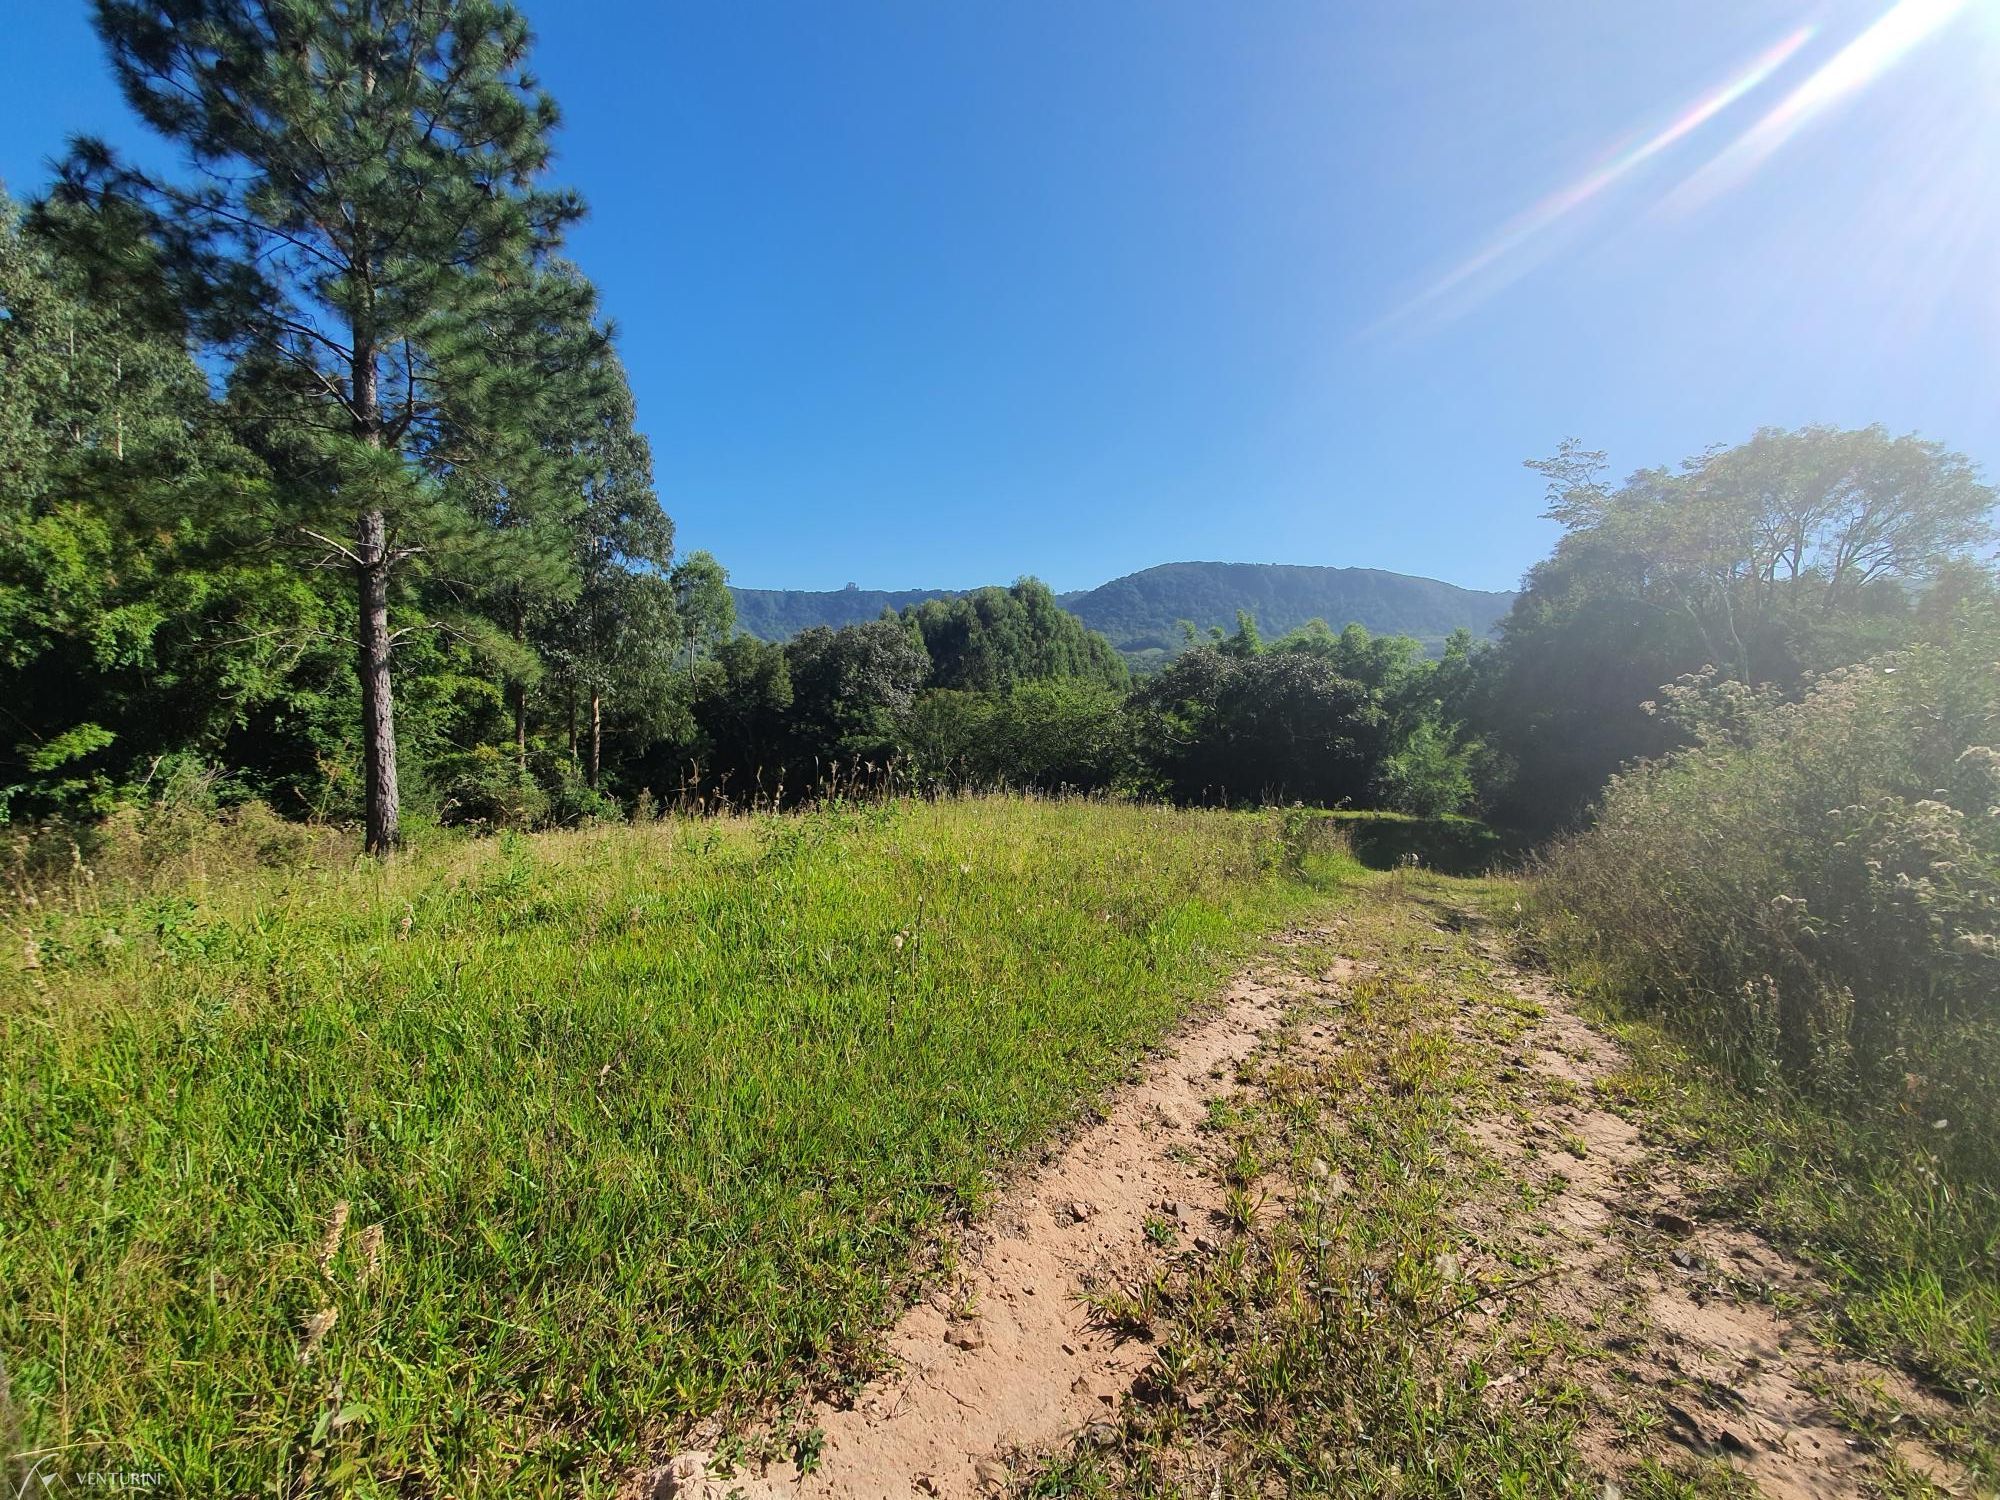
(378, 713)
(383, 810)
(596, 736)
(521, 695)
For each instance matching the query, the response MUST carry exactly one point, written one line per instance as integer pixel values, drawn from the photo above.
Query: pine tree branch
(345, 551)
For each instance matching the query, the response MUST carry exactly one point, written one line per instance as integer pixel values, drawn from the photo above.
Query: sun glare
(1534, 223)
(1845, 74)
(1852, 69)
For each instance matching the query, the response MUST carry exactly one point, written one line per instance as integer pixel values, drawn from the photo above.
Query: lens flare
(1846, 73)
(1545, 215)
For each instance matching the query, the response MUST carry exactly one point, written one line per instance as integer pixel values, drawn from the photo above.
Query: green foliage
(1219, 726)
(1429, 774)
(579, 1137)
(486, 787)
(852, 689)
(999, 688)
(1316, 717)
(991, 639)
(1792, 553)
(1808, 897)
(142, 614)
(706, 609)
(1818, 881)
(1048, 736)
(366, 245)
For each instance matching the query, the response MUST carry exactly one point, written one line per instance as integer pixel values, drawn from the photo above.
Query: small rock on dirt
(992, 1476)
(965, 1335)
(1079, 1211)
(1673, 1222)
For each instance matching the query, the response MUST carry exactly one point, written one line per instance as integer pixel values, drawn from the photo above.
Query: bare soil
(1687, 1314)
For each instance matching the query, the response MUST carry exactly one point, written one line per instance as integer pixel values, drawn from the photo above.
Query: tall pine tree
(365, 221)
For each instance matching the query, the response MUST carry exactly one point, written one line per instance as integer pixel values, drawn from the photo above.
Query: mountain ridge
(1139, 612)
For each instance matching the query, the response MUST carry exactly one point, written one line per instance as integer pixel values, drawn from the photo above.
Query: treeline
(320, 468)
(1767, 565)
(1002, 688)
(321, 484)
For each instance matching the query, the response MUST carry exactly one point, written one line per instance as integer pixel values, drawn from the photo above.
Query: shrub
(164, 844)
(1431, 775)
(1815, 885)
(487, 787)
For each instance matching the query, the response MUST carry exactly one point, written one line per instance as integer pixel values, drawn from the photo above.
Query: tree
(139, 620)
(991, 639)
(703, 605)
(852, 689)
(621, 628)
(1219, 725)
(1793, 553)
(362, 237)
(745, 713)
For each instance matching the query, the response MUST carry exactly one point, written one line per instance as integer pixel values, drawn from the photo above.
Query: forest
(505, 636)
(380, 782)
(327, 493)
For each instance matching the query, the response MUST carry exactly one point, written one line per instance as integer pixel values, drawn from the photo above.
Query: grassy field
(477, 1172)
(1414, 1299)
(1319, 1352)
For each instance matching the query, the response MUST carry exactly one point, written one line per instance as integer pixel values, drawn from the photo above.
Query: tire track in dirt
(1011, 1359)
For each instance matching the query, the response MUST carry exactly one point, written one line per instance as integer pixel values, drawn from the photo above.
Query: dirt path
(1685, 1312)
(1012, 1359)
(1677, 1330)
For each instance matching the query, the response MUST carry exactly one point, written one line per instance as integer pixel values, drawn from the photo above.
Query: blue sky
(941, 294)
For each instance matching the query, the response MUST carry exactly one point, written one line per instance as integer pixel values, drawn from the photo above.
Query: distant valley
(1140, 613)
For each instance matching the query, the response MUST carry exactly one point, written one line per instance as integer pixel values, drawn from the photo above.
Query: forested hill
(1138, 612)
(780, 614)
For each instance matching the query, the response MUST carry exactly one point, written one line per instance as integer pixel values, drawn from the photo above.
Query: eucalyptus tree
(616, 637)
(703, 605)
(361, 232)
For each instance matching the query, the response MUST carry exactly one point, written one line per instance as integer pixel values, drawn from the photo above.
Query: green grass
(1321, 1350)
(1385, 1329)
(1910, 1251)
(650, 1119)
(1894, 1202)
